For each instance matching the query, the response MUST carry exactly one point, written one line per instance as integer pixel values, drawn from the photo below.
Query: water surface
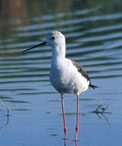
(94, 38)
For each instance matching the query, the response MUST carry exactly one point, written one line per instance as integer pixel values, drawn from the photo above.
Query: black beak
(41, 44)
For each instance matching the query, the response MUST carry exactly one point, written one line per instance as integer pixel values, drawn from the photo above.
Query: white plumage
(66, 76)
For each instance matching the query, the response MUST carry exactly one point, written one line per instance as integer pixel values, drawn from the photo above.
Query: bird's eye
(52, 38)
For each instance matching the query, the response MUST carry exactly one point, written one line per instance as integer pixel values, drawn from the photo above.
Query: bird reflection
(65, 140)
(76, 136)
(100, 112)
(76, 142)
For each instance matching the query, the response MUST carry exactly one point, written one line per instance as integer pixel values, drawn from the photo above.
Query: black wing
(83, 72)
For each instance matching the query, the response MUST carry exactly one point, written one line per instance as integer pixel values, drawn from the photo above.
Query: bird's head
(53, 39)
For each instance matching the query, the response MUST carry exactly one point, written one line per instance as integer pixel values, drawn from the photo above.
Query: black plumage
(83, 72)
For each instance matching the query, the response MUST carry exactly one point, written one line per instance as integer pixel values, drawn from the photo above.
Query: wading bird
(66, 76)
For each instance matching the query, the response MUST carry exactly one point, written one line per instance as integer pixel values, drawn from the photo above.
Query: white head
(57, 41)
(55, 38)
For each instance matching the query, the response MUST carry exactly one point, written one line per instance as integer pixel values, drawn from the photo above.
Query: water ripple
(96, 46)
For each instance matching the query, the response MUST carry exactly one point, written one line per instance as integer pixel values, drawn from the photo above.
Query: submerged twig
(101, 109)
(7, 107)
(5, 124)
(106, 119)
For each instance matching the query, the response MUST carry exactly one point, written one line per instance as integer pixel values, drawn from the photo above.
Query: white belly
(66, 79)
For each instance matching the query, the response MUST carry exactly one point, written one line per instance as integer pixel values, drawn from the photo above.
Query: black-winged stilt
(66, 76)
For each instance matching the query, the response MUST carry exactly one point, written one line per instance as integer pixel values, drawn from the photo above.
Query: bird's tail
(93, 86)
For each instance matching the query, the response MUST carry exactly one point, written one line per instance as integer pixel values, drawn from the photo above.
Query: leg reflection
(77, 120)
(75, 142)
(65, 139)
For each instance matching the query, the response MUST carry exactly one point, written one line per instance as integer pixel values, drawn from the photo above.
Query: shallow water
(94, 38)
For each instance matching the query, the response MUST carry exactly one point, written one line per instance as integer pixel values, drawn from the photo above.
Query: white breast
(65, 77)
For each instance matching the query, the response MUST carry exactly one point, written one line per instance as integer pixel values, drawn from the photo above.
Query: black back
(83, 72)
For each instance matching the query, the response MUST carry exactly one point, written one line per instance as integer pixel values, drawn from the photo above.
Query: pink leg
(63, 111)
(77, 119)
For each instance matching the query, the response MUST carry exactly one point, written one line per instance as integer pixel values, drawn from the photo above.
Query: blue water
(93, 34)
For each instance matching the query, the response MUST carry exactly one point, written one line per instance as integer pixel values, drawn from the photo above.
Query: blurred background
(93, 31)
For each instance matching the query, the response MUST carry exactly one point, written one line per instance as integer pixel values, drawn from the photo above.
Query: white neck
(58, 52)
